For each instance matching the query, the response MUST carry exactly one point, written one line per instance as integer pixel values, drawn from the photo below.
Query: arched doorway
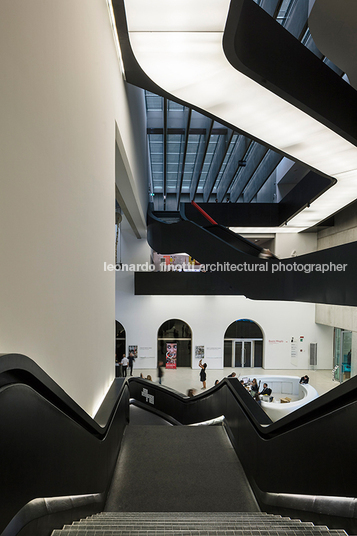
(243, 344)
(175, 336)
(120, 341)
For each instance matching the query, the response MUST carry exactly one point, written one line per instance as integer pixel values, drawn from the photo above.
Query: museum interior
(179, 186)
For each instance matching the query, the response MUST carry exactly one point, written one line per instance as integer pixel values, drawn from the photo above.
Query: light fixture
(178, 43)
(115, 35)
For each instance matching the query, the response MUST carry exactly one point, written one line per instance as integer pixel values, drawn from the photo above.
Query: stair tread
(251, 525)
(113, 528)
(193, 524)
(79, 532)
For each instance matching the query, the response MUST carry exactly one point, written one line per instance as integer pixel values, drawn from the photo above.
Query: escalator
(233, 266)
(59, 465)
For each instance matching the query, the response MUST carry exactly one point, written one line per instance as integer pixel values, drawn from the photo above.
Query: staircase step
(186, 525)
(103, 532)
(191, 514)
(193, 524)
(196, 532)
(158, 524)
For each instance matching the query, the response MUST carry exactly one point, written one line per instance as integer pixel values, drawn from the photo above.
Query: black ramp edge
(65, 452)
(325, 276)
(179, 468)
(141, 413)
(256, 45)
(43, 515)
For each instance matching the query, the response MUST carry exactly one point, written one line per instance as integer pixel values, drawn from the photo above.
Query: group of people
(254, 390)
(126, 362)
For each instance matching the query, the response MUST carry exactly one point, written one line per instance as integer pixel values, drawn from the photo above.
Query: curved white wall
(61, 95)
(282, 387)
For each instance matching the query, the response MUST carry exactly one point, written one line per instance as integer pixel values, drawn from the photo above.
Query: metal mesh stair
(192, 524)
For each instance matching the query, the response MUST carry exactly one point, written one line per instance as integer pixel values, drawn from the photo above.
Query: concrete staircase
(192, 524)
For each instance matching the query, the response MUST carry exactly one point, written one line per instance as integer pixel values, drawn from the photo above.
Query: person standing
(160, 372)
(124, 364)
(131, 362)
(203, 375)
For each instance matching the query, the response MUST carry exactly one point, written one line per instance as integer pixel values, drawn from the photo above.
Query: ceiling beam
(216, 164)
(261, 175)
(180, 181)
(165, 152)
(201, 155)
(271, 6)
(256, 155)
(232, 166)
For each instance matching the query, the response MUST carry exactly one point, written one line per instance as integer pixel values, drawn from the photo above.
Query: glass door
(228, 353)
(247, 354)
(342, 354)
(238, 353)
(337, 355)
(243, 353)
(258, 353)
(346, 345)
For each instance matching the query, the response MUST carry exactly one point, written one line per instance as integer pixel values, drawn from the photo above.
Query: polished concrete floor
(182, 378)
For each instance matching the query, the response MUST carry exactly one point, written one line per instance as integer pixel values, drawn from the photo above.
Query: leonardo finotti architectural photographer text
(273, 267)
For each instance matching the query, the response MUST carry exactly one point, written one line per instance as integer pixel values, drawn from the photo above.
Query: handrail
(333, 400)
(50, 447)
(18, 368)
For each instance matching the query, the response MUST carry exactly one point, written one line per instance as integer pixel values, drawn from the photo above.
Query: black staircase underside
(233, 267)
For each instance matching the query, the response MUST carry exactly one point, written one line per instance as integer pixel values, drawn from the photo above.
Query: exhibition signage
(171, 355)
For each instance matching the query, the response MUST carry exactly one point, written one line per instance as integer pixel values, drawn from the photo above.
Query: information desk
(282, 387)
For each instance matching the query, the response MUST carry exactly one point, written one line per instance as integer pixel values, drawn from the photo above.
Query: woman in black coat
(203, 373)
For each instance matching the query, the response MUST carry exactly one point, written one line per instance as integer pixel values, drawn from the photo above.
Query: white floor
(182, 378)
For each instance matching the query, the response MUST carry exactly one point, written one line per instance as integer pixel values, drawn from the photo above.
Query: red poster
(171, 354)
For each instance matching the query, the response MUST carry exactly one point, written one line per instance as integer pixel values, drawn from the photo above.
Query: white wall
(133, 250)
(343, 231)
(209, 317)
(300, 243)
(61, 96)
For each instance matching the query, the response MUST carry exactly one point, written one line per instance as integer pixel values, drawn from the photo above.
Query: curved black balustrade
(50, 447)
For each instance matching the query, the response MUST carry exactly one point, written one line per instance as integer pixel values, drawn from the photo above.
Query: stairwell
(192, 524)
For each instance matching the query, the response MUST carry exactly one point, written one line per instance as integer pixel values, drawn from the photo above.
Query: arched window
(243, 344)
(174, 343)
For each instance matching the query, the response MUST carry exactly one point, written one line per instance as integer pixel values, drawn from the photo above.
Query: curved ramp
(326, 276)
